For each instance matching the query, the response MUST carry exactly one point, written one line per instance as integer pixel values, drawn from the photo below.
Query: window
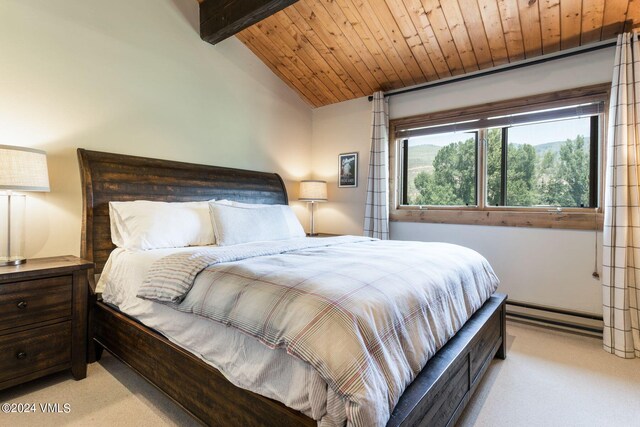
(544, 164)
(441, 169)
(538, 157)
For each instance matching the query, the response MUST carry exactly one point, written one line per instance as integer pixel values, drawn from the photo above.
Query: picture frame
(348, 170)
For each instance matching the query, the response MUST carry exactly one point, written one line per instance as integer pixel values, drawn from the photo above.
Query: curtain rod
(507, 67)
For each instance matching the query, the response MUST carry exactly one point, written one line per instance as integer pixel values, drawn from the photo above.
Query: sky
(534, 134)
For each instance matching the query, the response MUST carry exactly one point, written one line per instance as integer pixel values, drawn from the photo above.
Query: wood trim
(568, 218)
(595, 92)
(564, 220)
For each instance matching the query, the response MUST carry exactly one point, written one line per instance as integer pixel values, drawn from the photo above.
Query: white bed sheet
(241, 359)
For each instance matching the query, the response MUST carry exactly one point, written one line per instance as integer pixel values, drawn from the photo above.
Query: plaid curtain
(621, 209)
(376, 214)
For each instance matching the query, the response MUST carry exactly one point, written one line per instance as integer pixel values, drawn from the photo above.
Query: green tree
(564, 178)
(494, 163)
(553, 178)
(549, 187)
(453, 180)
(432, 193)
(521, 172)
(521, 175)
(573, 171)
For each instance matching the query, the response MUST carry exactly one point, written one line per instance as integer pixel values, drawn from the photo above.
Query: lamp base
(12, 237)
(312, 234)
(13, 262)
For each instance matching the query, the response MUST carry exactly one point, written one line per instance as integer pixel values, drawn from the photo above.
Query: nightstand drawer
(35, 350)
(34, 301)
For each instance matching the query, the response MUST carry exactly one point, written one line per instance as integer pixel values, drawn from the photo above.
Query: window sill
(568, 219)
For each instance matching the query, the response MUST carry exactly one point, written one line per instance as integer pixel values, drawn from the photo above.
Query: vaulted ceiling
(335, 50)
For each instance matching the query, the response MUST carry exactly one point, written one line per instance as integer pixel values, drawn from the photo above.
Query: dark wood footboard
(442, 390)
(435, 398)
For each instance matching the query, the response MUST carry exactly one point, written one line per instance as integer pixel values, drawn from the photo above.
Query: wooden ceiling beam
(221, 19)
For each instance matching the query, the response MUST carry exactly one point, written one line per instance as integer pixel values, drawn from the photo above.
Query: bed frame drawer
(35, 350)
(34, 301)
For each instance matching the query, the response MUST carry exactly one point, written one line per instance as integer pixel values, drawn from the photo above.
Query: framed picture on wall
(348, 170)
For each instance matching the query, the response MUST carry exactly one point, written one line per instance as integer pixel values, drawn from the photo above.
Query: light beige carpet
(556, 379)
(549, 379)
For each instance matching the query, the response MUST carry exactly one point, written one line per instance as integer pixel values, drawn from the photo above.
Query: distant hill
(555, 146)
(422, 156)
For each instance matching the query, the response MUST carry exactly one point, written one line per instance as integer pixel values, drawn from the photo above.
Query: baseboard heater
(560, 318)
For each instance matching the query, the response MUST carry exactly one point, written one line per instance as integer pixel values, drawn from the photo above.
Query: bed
(436, 396)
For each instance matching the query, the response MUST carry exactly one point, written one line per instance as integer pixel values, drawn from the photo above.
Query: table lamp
(313, 191)
(21, 169)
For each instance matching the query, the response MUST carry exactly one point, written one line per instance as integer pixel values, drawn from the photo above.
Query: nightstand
(43, 319)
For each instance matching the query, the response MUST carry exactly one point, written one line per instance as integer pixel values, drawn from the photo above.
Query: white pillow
(295, 228)
(233, 225)
(148, 225)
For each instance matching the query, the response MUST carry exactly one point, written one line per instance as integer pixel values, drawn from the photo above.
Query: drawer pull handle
(22, 305)
(21, 355)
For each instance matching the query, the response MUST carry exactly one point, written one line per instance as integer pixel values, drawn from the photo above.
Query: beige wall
(134, 77)
(551, 267)
(341, 128)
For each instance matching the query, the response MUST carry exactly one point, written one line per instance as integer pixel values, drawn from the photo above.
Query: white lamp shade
(23, 169)
(313, 191)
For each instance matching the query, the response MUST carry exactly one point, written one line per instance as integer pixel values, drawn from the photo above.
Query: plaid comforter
(362, 312)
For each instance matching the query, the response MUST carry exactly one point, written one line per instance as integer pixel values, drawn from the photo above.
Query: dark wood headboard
(116, 177)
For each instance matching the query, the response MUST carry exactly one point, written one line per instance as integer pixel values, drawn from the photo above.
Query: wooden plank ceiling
(335, 50)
